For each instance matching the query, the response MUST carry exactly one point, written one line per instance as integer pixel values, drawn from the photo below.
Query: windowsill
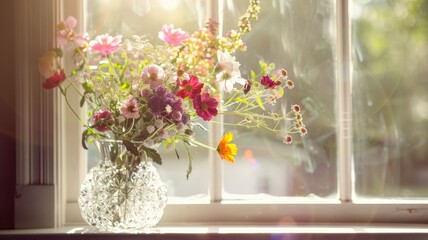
(291, 231)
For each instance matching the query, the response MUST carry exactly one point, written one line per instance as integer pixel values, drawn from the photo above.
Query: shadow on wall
(7, 119)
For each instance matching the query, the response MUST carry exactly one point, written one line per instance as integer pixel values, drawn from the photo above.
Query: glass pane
(390, 48)
(300, 37)
(146, 17)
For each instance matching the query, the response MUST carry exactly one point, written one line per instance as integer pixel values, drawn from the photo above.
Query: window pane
(300, 37)
(390, 97)
(146, 17)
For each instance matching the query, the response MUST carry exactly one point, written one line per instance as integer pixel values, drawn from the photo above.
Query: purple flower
(167, 105)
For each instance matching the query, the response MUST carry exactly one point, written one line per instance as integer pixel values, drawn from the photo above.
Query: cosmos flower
(227, 150)
(65, 30)
(205, 106)
(55, 80)
(172, 36)
(153, 74)
(190, 88)
(129, 108)
(106, 44)
(229, 72)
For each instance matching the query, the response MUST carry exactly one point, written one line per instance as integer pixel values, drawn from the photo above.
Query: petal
(70, 22)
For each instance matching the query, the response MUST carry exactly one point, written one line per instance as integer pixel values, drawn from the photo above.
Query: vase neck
(115, 152)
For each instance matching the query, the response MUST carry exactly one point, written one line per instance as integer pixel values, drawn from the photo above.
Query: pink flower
(104, 116)
(65, 30)
(153, 74)
(129, 108)
(205, 106)
(190, 88)
(106, 44)
(55, 80)
(171, 36)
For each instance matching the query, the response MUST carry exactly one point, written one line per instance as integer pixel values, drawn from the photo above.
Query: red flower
(190, 88)
(55, 80)
(205, 106)
(247, 87)
(267, 82)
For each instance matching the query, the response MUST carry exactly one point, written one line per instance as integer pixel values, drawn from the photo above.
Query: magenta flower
(205, 106)
(172, 36)
(104, 116)
(55, 80)
(190, 88)
(129, 108)
(106, 44)
(153, 74)
(267, 82)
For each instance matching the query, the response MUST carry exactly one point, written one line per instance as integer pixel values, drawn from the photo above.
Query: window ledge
(230, 232)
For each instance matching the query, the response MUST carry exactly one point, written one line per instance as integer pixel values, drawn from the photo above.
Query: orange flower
(227, 150)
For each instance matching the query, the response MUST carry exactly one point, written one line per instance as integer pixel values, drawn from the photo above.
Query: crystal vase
(123, 192)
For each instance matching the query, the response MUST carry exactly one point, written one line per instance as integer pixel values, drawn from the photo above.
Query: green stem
(191, 140)
(64, 93)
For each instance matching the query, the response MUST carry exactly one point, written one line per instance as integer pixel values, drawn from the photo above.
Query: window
(365, 154)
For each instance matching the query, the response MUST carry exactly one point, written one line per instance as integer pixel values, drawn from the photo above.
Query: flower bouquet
(141, 95)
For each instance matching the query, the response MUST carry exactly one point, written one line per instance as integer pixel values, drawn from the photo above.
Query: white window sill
(230, 232)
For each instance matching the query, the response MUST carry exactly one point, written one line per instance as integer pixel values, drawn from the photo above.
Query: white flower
(229, 72)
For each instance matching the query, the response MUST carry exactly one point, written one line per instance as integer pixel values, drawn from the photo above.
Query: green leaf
(262, 67)
(82, 101)
(281, 92)
(84, 138)
(153, 154)
(87, 87)
(176, 153)
(259, 101)
(253, 74)
(125, 86)
(104, 65)
(189, 156)
(58, 52)
(80, 68)
(131, 147)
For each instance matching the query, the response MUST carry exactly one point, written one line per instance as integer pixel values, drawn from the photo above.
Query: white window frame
(49, 173)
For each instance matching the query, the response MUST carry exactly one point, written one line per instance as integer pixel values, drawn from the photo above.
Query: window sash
(273, 210)
(70, 164)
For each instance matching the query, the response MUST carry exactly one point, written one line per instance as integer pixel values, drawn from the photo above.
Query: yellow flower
(227, 150)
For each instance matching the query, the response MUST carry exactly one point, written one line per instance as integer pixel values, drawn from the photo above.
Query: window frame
(67, 157)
